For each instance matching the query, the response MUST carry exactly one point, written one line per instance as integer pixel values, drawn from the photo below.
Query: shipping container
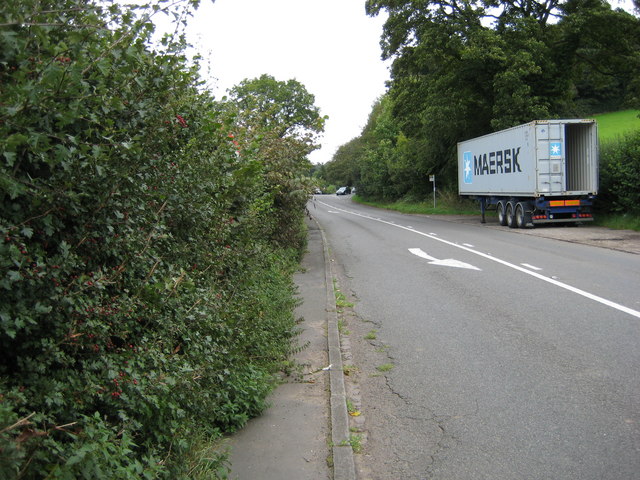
(540, 172)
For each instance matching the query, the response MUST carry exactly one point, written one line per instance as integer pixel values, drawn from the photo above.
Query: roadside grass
(208, 459)
(352, 409)
(614, 125)
(447, 203)
(341, 299)
(356, 443)
(617, 221)
(385, 367)
(342, 327)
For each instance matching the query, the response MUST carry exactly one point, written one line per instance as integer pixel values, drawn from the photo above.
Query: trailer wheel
(502, 214)
(521, 221)
(511, 217)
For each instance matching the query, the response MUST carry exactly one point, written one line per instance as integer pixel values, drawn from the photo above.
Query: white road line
(530, 266)
(468, 245)
(552, 281)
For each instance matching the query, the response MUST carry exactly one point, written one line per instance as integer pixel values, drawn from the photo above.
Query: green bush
(619, 171)
(146, 293)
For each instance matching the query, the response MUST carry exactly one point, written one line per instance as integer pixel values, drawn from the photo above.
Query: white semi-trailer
(540, 172)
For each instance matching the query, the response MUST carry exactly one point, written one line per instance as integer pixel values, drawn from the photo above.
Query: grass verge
(447, 203)
(617, 221)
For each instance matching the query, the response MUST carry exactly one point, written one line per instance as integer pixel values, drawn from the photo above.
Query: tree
(284, 108)
(463, 68)
(602, 46)
(344, 169)
(282, 115)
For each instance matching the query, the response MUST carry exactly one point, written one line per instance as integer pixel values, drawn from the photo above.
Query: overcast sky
(330, 46)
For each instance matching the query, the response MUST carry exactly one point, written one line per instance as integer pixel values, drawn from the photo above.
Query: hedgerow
(620, 167)
(146, 295)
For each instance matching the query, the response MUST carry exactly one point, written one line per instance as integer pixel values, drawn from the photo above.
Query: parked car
(317, 191)
(343, 191)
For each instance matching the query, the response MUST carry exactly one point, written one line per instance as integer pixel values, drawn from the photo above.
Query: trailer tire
(502, 214)
(511, 215)
(521, 216)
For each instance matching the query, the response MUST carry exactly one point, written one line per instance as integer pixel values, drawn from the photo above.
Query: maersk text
(502, 161)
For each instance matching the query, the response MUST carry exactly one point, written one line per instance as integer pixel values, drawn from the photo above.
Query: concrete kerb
(343, 462)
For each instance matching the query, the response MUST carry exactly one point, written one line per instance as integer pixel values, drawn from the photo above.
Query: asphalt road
(514, 356)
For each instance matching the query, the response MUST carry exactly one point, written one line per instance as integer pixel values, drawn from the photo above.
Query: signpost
(432, 178)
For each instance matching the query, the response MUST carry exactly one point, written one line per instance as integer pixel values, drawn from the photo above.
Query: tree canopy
(285, 108)
(464, 68)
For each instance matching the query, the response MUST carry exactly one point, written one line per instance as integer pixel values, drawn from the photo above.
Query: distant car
(317, 191)
(343, 191)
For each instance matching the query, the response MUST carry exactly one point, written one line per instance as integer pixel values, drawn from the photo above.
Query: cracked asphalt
(403, 431)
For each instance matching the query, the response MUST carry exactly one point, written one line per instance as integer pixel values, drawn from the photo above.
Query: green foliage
(344, 167)
(146, 253)
(371, 335)
(282, 122)
(619, 170)
(603, 46)
(385, 367)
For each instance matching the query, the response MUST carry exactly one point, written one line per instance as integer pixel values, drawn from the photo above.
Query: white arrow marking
(448, 262)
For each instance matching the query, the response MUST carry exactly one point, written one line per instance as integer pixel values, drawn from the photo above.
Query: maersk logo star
(555, 149)
(468, 177)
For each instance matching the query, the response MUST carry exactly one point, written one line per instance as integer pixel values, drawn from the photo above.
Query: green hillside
(615, 124)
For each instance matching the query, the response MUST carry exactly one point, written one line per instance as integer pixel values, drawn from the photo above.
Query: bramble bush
(145, 258)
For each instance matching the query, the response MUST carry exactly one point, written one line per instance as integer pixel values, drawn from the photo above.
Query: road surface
(488, 354)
